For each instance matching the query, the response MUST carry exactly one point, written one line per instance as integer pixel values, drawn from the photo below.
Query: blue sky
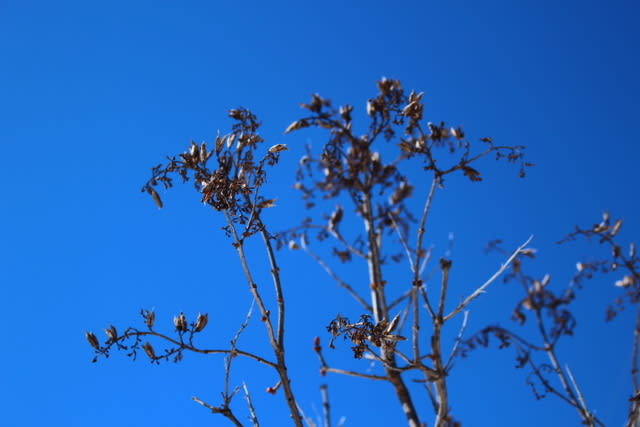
(94, 94)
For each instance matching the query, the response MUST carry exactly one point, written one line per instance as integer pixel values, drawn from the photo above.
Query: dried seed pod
(616, 227)
(336, 217)
(93, 340)
(457, 132)
(150, 318)
(156, 197)
(201, 322)
(219, 142)
(112, 333)
(149, 350)
(393, 324)
(293, 245)
(267, 204)
(625, 281)
(193, 150)
(278, 148)
(371, 108)
(180, 322)
(230, 140)
(296, 125)
(203, 152)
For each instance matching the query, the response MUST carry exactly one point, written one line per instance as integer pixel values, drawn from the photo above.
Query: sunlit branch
(484, 286)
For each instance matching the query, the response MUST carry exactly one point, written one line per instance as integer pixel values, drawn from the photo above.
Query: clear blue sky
(92, 94)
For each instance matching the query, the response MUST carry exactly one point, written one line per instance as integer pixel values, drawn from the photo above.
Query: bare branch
(252, 411)
(447, 365)
(219, 410)
(334, 276)
(326, 407)
(482, 288)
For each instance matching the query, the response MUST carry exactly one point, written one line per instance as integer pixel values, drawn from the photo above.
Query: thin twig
(403, 241)
(252, 410)
(482, 288)
(400, 299)
(458, 340)
(275, 274)
(634, 362)
(326, 407)
(427, 304)
(239, 245)
(334, 276)
(581, 399)
(356, 374)
(219, 410)
(182, 345)
(273, 340)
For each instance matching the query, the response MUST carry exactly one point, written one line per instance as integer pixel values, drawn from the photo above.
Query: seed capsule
(112, 333)
(180, 322)
(93, 340)
(201, 322)
(149, 350)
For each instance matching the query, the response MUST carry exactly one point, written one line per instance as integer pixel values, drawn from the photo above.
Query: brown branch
(380, 311)
(275, 342)
(189, 347)
(223, 410)
(275, 273)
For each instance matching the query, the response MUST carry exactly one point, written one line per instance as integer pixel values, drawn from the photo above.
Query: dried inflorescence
(131, 339)
(351, 164)
(625, 262)
(363, 332)
(232, 183)
(551, 313)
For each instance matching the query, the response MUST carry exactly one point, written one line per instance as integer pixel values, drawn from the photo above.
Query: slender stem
(334, 276)
(634, 362)
(253, 287)
(442, 415)
(634, 413)
(198, 350)
(252, 410)
(447, 365)
(326, 408)
(278, 349)
(275, 273)
(581, 399)
(373, 259)
(223, 410)
(380, 311)
(486, 284)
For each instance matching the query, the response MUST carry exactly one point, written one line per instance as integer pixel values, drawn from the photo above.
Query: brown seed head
(201, 322)
(180, 322)
(93, 340)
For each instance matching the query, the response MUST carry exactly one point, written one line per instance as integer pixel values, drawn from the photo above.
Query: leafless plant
(554, 319)
(353, 172)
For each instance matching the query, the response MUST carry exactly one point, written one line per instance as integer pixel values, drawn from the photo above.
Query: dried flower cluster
(131, 339)
(357, 175)
(231, 184)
